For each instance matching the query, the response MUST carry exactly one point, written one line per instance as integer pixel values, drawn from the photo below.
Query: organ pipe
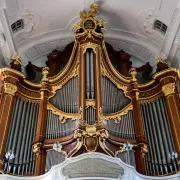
(90, 91)
(113, 99)
(124, 129)
(67, 98)
(20, 138)
(90, 115)
(159, 137)
(55, 129)
(53, 158)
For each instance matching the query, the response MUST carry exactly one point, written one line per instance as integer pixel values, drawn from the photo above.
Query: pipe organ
(87, 105)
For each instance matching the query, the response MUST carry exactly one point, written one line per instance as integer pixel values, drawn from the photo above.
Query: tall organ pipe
(90, 91)
(20, 138)
(159, 137)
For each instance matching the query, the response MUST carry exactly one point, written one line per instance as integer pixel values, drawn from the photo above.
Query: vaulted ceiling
(48, 25)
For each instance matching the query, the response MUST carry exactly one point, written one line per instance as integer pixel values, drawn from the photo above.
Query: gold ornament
(45, 73)
(10, 88)
(160, 60)
(168, 89)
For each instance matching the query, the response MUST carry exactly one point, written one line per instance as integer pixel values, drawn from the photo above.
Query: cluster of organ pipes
(90, 115)
(67, 98)
(53, 158)
(113, 99)
(21, 135)
(56, 129)
(90, 88)
(124, 128)
(159, 137)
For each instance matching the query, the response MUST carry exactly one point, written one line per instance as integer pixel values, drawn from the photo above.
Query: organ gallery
(89, 99)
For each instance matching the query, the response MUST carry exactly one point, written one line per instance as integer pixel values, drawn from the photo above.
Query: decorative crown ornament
(88, 23)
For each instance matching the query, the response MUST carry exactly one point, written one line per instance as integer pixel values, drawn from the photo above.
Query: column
(98, 85)
(41, 126)
(82, 84)
(7, 102)
(138, 126)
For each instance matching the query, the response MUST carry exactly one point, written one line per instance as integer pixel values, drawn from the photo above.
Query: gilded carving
(17, 60)
(91, 137)
(168, 89)
(91, 103)
(71, 74)
(117, 116)
(88, 23)
(160, 60)
(28, 92)
(144, 148)
(63, 117)
(45, 72)
(37, 149)
(133, 74)
(10, 88)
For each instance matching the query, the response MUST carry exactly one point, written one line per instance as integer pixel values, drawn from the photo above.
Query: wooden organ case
(89, 106)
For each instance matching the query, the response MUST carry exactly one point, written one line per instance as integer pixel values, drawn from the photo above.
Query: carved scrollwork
(63, 117)
(116, 116)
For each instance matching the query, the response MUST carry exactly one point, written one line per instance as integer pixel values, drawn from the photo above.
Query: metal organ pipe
(113, 99)
(90, 91)
(123, 129)
(67, 98)
(20, 138)
(56, 129)
(159, 137)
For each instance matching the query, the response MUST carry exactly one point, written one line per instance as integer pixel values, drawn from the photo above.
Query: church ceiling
(144, 29)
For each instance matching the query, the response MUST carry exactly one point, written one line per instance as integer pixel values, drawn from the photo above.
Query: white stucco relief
(92, 166)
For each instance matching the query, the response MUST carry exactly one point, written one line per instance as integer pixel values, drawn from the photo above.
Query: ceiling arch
(48, 24)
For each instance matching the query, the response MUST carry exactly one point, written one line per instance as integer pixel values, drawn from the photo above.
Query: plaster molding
(63, 170)
(146, 21)
(31, 21)
(171, 32)
(40, 51)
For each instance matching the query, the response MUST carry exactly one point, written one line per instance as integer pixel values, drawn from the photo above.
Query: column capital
(10, 88)
(168, 89)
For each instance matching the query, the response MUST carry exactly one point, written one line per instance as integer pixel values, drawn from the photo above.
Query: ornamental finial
(88, 14)
(45, 72)
(88, 23)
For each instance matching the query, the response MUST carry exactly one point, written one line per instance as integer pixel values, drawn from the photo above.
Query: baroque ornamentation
(88, 23)
(10, 88)
(63, 117)
(144, 148)
(116, 117)
(31, 21)
(91, 137)
(168, 89)
(45, 72)
(37, 149)
(28, 93)
(16, 60)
